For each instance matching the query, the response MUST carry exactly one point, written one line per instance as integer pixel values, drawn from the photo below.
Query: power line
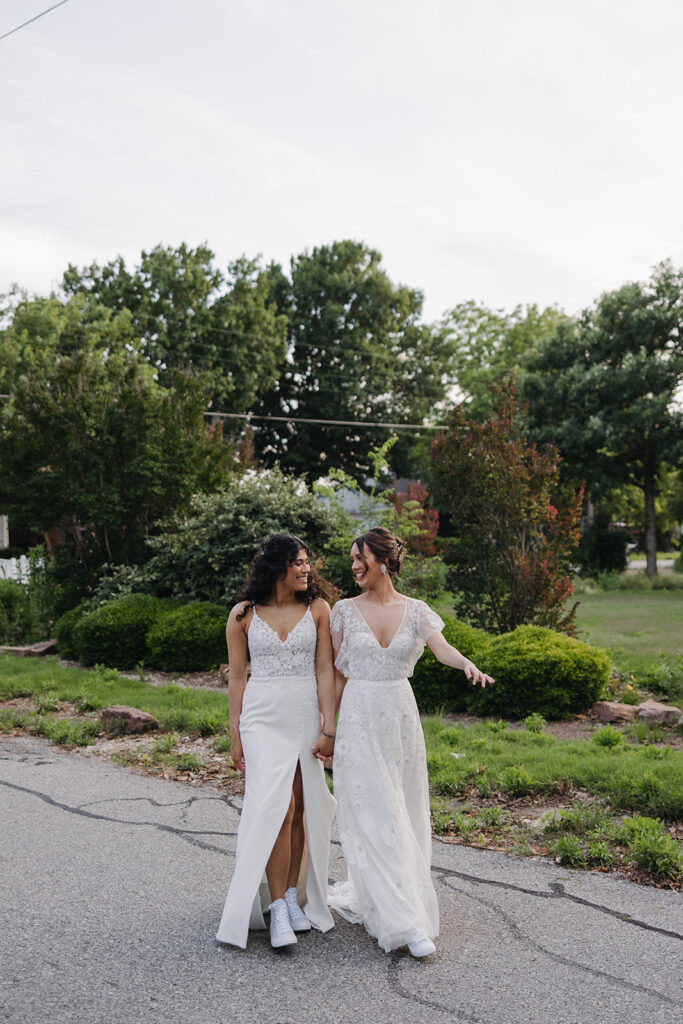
(323, 423)
(35, 18)
(328, 423)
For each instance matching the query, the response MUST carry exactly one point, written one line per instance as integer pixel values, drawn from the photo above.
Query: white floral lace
(271, 656)
(358, 652)
(380, 779)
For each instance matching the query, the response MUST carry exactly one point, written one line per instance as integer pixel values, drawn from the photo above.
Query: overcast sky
(507, 151)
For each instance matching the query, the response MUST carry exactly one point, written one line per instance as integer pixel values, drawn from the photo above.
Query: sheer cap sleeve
(339, 639)
(428, 622)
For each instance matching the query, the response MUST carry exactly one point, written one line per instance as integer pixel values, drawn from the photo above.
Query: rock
(123, 719)
(33, 650)
(614, 711)
(662, 714)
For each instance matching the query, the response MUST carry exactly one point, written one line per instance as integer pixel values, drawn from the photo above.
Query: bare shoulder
(239, 613)
(320, 609)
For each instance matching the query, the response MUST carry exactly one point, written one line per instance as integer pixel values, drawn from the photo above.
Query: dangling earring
(384, 569)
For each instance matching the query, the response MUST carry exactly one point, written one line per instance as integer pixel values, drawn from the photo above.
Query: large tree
(510, 556)
(606, 390)
(358, 352)
(89, 441)
(189, 316)
(489, 344)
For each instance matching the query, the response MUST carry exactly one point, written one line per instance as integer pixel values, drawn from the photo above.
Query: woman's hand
(475, 675)
(236, 753)
(323, 748)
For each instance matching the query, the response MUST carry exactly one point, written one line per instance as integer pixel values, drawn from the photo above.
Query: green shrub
(516, 781)
(633, 581)
(115, 634)
(608, 736)
(189, 638)
(12, 610)
(667, 583)
(599, 853)
(67, 731)
(568, 851)
(202, 553)
(438, 687)
(678, 563)
(65, 630)
(660, 855)
(539, 670)
(534, 723)
(650, 847)
(664, 676)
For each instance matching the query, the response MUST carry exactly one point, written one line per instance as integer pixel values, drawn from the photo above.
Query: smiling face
(298, 572)
(366, 568)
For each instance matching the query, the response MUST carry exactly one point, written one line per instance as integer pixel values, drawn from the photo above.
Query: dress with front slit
(279, 724)
(380, 779)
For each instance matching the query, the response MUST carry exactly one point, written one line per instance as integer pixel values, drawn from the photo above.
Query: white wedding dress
(380, 779)
(279, 724)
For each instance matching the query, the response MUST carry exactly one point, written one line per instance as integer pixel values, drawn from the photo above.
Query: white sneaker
(297, 918)
(281, 933)
(421, 947)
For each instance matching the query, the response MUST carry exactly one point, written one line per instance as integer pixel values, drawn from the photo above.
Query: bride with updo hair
(380, 767)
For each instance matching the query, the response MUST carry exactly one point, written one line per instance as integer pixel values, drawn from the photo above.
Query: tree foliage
(89, 442)
(358, 351)
(509, 560)
(605, 390)
(203, 552)
(489, 345)
(189, 316)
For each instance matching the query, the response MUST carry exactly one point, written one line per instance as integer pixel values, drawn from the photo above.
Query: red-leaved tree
(509, 561)
(415, 497)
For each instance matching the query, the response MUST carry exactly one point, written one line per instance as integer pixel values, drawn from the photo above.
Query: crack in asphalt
(394, 982)
(186, 834)
(558, 892)
(533, 944)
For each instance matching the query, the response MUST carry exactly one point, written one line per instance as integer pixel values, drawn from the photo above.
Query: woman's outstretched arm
(451, 656)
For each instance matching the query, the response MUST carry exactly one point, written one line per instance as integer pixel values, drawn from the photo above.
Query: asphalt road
(112, 885)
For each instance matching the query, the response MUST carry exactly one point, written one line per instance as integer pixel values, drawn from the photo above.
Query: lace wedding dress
(279, 724)
(380, 779)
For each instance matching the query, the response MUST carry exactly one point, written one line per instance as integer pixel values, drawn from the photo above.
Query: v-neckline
(398, 628)
(273, 630)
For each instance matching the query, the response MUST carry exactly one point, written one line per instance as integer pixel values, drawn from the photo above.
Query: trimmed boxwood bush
(536, 670)
(437, 687)
(65, 630)
(190, 638)
(539, 670)
(115, 634)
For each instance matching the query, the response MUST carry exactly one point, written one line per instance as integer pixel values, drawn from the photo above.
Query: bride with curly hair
(282, 724)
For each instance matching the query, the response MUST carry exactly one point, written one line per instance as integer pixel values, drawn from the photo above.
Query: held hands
(323, 748)
(475, 675)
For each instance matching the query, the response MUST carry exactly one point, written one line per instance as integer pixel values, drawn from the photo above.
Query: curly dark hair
(272, 560)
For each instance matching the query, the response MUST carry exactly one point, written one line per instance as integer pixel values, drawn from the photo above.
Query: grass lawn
(635, 626)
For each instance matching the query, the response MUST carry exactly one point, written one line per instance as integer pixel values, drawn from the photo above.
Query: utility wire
(328, 423)
(35, 18)
(323, 423)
